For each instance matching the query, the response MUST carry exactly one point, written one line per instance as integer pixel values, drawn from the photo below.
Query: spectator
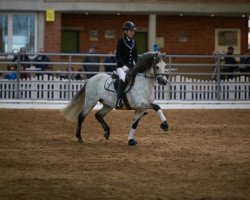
(1, 74)
(232, 63)
(11, 75)
(76, 74)
(23, 58)
(246, 64)
(156, 47)
(110, 59)
(42, 58)
(91, 59)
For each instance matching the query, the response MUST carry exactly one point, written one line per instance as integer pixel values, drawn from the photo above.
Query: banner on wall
(50, 15)
(225, 38)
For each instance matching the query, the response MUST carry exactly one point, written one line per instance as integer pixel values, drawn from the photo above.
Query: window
(3, 33)
(16, 31)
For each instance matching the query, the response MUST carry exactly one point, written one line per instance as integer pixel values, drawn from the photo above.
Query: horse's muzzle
(162, 80)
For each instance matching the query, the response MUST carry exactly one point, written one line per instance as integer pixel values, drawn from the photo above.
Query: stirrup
(119, 104)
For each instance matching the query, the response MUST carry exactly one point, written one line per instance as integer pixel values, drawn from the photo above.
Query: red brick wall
(52, 34)
(200, 30)
(85, 23)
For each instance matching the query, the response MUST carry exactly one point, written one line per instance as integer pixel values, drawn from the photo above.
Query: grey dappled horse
(139, 93)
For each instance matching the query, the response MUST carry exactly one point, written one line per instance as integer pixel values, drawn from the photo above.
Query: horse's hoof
(132, 142)
(164, 126)
(106, 135)
(80, 140)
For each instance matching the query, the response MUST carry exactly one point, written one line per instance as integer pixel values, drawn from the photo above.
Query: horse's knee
(98, 116)
(155, 107)
(80, 117)
(135, 124)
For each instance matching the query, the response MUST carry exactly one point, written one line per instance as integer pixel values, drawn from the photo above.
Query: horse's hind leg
(100, 115)
(81, 118)
(135, 122)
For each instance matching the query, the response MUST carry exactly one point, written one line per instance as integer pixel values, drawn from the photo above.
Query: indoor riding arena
(205, 155)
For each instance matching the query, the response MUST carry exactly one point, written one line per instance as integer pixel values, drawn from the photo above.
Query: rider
(126, 56)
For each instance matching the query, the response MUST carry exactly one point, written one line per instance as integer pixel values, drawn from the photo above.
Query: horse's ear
(156, 55)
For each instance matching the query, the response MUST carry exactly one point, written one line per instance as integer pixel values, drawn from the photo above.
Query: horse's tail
(72, 110)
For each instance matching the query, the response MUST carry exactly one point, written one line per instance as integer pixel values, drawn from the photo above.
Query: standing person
(91, 59)
(110, 60)
(42, 58)
(231, 62)
(126, 56)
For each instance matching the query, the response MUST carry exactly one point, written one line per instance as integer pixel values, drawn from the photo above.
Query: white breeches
(121, 74)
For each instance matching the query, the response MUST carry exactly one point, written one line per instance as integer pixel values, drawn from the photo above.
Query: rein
(145, 76)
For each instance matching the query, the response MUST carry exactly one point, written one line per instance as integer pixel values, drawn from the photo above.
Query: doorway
(142, 42)
(70, 41)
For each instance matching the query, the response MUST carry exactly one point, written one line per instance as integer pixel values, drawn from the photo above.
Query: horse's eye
(156, 67)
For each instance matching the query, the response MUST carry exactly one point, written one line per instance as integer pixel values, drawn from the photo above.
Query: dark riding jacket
(126, 52)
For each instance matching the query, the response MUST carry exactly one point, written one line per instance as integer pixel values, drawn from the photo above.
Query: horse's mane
(144, 63)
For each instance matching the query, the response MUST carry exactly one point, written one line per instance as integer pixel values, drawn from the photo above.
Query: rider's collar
(129, 39)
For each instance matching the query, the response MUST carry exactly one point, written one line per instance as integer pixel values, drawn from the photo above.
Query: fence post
(218, 78)
(69, 76)
(18, 75)
(169, 79)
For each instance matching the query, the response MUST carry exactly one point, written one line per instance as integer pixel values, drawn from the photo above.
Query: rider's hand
(125, 68)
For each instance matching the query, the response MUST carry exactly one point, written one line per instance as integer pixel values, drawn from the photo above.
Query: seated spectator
(76, 74)
(11, 75)
(1, 74)
(91, 59)
(42, 58)
(110, 59)
(232, 63)
(23, 58)
(246, 64)
(79, 76)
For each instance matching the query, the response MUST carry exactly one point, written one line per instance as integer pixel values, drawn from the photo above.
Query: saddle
(114, 82)
(128, 80)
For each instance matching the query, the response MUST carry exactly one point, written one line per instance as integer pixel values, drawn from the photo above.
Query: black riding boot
(120, 94)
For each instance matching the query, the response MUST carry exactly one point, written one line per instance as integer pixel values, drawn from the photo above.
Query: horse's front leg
(136, 119)
(164, 124)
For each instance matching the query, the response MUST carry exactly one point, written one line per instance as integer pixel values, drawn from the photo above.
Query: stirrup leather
(119, 104)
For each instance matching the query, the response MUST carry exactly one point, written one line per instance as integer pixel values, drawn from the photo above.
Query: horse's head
(152, 64)
(158, 68)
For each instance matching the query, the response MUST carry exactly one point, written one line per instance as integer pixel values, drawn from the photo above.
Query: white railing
(183, 88)
(60, 86)
(180, 88)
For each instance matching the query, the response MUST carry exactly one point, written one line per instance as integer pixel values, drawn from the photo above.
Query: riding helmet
(129, 26)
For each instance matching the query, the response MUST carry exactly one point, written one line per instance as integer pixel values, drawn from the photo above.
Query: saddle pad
(110, 84)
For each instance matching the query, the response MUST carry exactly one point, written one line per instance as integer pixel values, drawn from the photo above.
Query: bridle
(155, 71)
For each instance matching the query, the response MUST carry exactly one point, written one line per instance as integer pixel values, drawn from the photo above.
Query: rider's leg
(120, 88)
